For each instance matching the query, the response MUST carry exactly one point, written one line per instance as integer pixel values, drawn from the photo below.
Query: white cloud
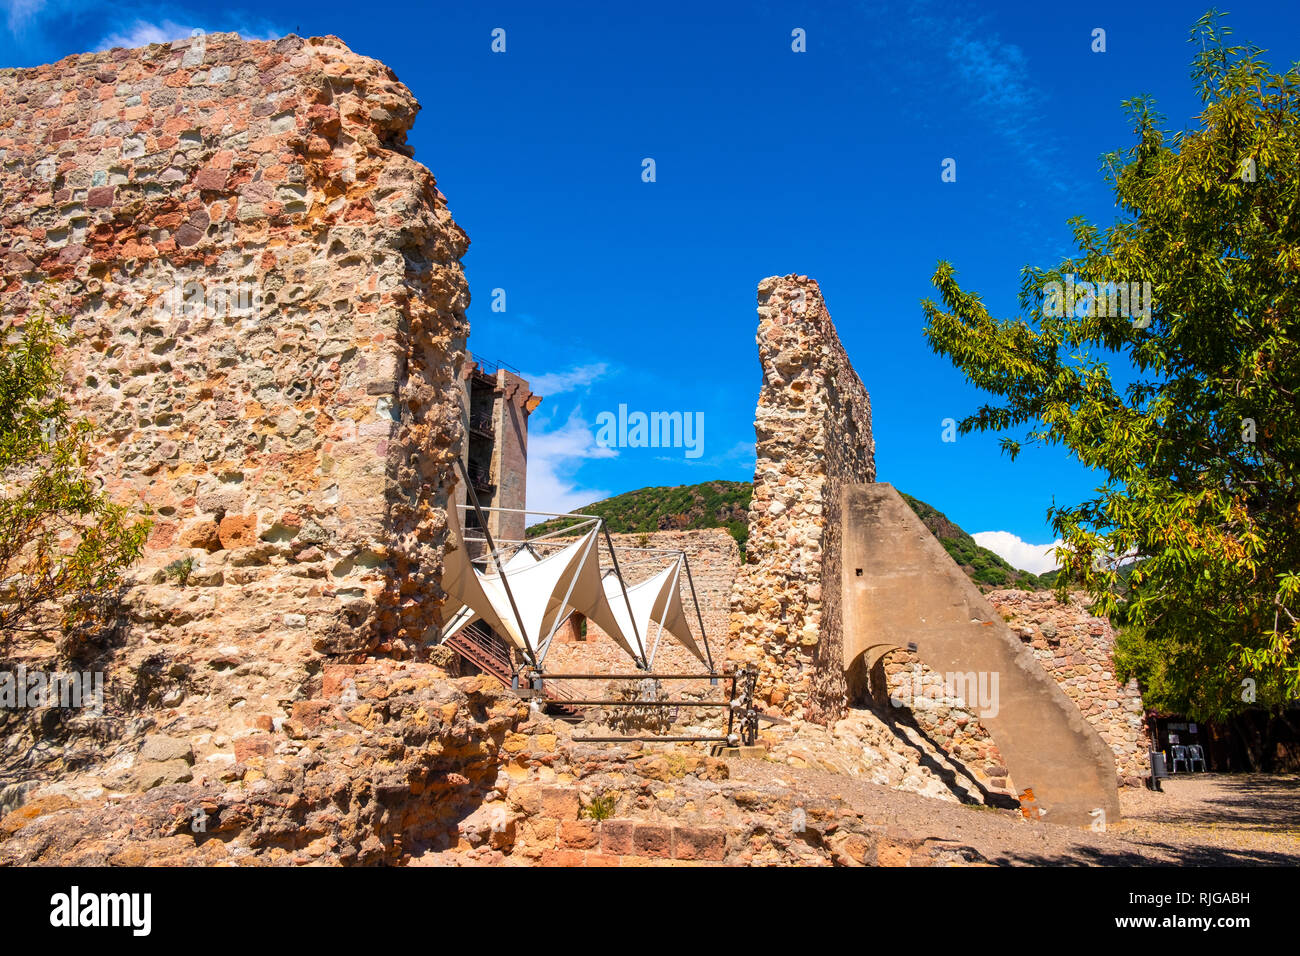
(557, 383)
(553, 457)
(143, 32)
(1034, 558)
(22, 12)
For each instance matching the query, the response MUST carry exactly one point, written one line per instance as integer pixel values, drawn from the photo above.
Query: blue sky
(768, 161)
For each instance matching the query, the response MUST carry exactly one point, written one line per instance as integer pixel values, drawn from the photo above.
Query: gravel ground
(1201, 820)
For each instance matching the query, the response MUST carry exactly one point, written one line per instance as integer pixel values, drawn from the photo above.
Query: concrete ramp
(901, 587)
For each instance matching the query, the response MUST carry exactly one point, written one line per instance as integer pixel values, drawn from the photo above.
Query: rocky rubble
(862, 744)
(343, 781)
(400, 763)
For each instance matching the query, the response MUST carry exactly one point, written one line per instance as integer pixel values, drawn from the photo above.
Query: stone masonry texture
(269, 318)
(813, 435)
(268, 330)
(1074, 647)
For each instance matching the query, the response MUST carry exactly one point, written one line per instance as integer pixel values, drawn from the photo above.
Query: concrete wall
(1073, 646)
(813, 436)
(1077, 649)
(297, 450)
(900, 587)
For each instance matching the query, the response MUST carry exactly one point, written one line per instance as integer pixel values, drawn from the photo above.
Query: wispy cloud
(21, 13)
(143, 32)
(553, 458)
(557, 383)
(1034, 558)
(998, 76)
(42, 26)
(987, 78)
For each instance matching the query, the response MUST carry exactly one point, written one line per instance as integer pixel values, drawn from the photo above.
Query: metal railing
(490, 367)
(483, 651)
(491, 655)
(742, 717)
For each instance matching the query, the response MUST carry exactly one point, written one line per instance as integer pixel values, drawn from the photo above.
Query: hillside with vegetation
(725, 504)
(711, 504)
(982, 565)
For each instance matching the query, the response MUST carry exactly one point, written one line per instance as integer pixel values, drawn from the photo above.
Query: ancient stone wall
(1077, 649)
(813, 431)
(914, 692)
(268, 306)
(1074, 647)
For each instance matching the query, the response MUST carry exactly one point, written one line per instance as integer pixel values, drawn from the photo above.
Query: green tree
(1190, 410)
(63, 543)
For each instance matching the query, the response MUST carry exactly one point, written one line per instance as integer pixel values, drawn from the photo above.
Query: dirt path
(1201, 820)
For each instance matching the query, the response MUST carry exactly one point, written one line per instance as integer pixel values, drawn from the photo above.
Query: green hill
(982, 565)
(725, 504)
(712, 504)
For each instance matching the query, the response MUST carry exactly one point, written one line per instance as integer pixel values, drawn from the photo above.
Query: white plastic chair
(1195, 755)
(1179, 756)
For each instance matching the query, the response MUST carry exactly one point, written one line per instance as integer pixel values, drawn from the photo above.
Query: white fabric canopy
(466, 615)
(546, 589)
(538, 590)
(656, 599)
(672, 615)
(459, 578)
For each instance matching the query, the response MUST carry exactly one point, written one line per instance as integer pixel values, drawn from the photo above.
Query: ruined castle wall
(1074, 647)
(948, 720)
(1077, 649)
(268, 306)
(813, 431)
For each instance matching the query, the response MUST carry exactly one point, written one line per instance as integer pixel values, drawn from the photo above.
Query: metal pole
(664, 740)
(660, 633)
(731, 711)
(658, 637)
(552, 514)
(637, 676)
(546, 645)
(577, 702)
(487, 534)
(636, 631)
(700, 617)
(517, 545)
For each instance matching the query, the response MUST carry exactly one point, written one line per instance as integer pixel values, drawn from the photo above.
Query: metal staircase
(491, 655)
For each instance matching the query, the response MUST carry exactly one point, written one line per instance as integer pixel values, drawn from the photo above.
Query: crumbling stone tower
(813, 436)
(269, 312)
